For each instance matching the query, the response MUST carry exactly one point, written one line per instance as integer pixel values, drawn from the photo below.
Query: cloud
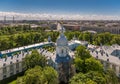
(46, 16)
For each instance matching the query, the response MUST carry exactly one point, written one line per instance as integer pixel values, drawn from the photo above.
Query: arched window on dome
(62, 51)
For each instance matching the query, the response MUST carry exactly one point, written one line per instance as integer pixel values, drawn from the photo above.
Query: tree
(82, 53)
(50, 75)
(20, 40)
(110, 76)
(79, 64)
(81, 78)
(90, 64)
(96, 76)
(34, 59)
(34, 76)
(116, 40)
(4, 44)
(87, 36)
(102, 38)
(69, 35)
(38, 75)
(93, 65)
(20, 80)
(53, 35)
(81, 36)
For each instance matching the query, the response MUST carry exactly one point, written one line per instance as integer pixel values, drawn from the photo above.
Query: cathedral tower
(63, 59)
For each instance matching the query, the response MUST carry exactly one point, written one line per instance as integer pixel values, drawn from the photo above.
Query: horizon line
(53, 16)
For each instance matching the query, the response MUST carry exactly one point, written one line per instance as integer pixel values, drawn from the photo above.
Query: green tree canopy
(81, 79)
(93, 65)
(34, 59)
(111, 76)
(96, 76)
(38, 75)
(90, 71)
(82, 53)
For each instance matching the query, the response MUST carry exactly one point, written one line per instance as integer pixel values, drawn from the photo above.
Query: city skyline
(65, 9)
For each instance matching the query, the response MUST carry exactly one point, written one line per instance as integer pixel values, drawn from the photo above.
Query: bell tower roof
(62, 40)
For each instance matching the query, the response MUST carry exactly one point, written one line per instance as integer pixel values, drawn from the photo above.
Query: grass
(13, 82)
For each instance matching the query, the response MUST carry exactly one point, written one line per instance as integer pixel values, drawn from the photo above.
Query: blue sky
(102, 7)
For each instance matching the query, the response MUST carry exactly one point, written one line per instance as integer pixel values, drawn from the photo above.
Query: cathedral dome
(62, 40)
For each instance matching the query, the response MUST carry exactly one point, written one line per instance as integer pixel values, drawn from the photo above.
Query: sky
(62, 8)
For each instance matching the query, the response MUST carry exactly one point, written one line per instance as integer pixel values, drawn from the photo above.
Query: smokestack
(4, 19)
(13, 19)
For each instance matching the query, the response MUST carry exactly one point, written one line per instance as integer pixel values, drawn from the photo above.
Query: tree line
(22, 35)
(96, 39)
(8, 30)
(23, 39)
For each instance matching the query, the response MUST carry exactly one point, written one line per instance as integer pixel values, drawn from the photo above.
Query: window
(11, 57)
(62, 51)
(96, 52)
(107, 55)
(11, 70)
(4, 64)
(17, 60)
(23, 65)
(4, 76)
(10, 62)
(17, 55)
(17, 71)
(4, 70)
(17, 65)
(97, 57)
(5, 59)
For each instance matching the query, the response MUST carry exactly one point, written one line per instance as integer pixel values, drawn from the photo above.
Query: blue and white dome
(62, 40)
